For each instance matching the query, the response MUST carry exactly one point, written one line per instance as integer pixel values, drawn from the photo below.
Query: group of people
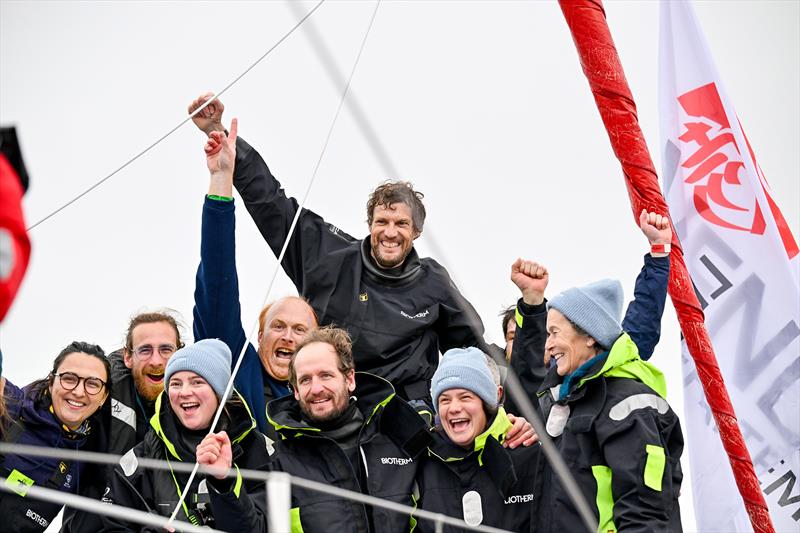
(376, 379)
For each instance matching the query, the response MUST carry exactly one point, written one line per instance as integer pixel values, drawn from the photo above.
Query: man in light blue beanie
(209, 358)
(595, 308)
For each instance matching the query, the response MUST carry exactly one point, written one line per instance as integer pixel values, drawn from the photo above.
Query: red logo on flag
(718, 195)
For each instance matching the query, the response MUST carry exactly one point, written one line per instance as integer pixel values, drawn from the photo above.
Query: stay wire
(289, 235)
(184, 121)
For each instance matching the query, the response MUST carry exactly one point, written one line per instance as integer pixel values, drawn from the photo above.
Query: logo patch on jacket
(519, 498)
(399, 461)
(422, 314)
(62, 467)
(363, 297)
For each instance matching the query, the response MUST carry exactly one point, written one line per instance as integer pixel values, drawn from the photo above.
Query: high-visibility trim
(237, 487)
(294, 520)
(604, 499)
(518, 317)
(625, 407)
(412, 522)
(654, 468)
(18, 482)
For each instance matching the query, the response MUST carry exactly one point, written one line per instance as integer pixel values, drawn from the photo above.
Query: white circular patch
(559, 414)
(473, 508)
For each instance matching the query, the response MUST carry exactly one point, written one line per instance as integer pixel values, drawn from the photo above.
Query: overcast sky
(482, 105)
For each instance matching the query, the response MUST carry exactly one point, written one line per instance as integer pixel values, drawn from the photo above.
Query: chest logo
(363, 297)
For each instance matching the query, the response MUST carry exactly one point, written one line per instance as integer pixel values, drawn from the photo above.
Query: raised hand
(214, 453)
(655, 227)
(531, 278)
(210, 118)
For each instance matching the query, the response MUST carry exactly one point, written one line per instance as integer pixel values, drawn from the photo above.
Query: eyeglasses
(146, 351)
(70, 381)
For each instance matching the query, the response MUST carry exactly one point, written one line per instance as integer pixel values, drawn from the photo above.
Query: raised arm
(265, 200)
(643, 317)
(527, 355)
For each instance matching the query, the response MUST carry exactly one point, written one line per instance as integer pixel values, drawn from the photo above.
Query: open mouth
(321, 401)
(190, 407)
(75, 404)
(284, 353)
(459, 424)
(390, 245)
(155, 377)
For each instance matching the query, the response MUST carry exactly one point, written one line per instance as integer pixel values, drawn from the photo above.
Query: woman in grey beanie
(469, 474)
(196, 377)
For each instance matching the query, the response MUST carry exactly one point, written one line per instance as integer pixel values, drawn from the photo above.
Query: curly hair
(337, 338)
(394, 192)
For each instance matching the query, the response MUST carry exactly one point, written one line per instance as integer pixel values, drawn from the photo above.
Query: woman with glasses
(66, 410)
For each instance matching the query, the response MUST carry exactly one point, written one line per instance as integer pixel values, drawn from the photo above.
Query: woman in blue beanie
(196, 377)
(468, 473)
(604, 407)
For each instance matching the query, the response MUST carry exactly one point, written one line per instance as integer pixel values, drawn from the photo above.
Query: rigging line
(181, 123)
(316, 486)
(92, 505)
(229, 387)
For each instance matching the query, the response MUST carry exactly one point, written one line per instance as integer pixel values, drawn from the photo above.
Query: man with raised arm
(264, 372)
(399, 309)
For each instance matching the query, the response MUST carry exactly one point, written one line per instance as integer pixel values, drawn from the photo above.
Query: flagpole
(603, 69)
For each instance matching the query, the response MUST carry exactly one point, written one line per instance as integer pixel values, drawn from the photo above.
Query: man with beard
(137, 372)
(264, 372)
(347, 429)
(399, 309)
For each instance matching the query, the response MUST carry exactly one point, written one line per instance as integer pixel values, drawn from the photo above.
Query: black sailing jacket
(398, 321)
(391, 439)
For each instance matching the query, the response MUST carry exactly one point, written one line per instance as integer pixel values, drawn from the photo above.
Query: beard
(144, 387)
(341, 405)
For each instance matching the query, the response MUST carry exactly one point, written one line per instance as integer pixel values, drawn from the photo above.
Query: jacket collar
(405, 272)
(621, 361)
(236, 419)
(377, 401)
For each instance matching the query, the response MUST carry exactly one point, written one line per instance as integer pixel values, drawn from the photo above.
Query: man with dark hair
(400, 310)
(138, 374)
(509, 325)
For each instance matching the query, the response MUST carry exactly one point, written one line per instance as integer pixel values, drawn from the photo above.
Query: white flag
(743, 261)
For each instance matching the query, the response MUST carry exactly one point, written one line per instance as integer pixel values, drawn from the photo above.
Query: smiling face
(322, 390)
(569, 348)
(148, 369)
(192, 399)
(74, 406)
(392, 234)
(462, 416)
(287, 322)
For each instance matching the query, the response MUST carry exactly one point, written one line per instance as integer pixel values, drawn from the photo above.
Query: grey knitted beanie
(596, 307)
(209, 358)
(464, 368)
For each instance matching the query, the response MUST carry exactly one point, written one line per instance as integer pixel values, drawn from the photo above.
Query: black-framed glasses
(71, 380)
(146, 351)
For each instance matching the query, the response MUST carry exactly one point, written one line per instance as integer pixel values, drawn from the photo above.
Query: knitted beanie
(595, 307)
(208, 358)
(464, 368)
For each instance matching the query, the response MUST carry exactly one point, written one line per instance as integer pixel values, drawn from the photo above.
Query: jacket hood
(236, 420)
(372, 393)
(381, 408)
(445, 450)
(622, 361)
(407, 271)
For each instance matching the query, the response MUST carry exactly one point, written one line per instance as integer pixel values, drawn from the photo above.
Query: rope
(158, 464)
(181, 123)
(254, 328)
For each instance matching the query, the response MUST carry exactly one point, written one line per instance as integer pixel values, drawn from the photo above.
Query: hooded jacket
(612, 425)
(129, 422)
(389, 442)
(33, 423)
(399, 319)
(228, 505)
(217, 311)
(488, 485)
(642, 322)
